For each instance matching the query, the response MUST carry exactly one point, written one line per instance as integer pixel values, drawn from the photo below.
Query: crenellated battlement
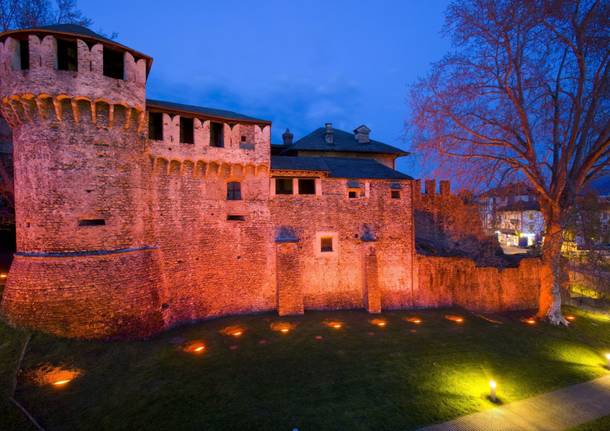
(64, 109)
(32, 62)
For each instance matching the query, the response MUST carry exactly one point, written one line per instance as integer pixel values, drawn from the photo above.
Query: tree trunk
(549, 303)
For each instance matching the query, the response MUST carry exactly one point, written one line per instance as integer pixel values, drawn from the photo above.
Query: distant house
(512, 212)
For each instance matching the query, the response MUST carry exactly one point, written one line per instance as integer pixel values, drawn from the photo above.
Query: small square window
(326, 244)
(307, 186)
(395, 194)
(352, 194)
(283, 186)
(243, 138)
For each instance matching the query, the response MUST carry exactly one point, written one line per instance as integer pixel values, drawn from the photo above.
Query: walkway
(553, 411)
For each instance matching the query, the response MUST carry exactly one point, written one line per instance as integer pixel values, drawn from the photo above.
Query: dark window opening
(395, 194)
(243, 138)
(307, 186)
(326, 244)
(155, 126)
(352, 194)
(234, 191)
(24, 54)
(114, 64)
(187, 135)
(236, 217)
(67, 55)
(216, 135)
(283, 186)
(92, 222)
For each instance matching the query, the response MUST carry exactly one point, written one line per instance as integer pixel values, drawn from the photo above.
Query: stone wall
(452, 281)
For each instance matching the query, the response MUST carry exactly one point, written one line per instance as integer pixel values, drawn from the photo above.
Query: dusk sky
(298, 64)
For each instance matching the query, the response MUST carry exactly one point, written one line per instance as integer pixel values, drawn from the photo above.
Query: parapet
(73, 63)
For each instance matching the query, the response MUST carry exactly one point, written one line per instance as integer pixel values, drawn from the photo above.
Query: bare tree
(523, 93)
(34, 13)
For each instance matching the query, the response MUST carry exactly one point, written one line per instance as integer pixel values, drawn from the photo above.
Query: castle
(133, 215)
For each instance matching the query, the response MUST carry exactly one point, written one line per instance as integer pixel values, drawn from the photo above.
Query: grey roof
(201, 110)
(74, 29)
(342, 141)
(338, 167)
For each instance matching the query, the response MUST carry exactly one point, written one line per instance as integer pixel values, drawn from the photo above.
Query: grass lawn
(314, 377)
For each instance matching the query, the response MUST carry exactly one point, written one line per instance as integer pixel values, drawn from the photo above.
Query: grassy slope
(392, 379)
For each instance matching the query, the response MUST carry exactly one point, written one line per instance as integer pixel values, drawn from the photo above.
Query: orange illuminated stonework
(135, 215)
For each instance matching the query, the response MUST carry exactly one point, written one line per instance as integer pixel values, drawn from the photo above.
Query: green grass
(601, 424)
(359, 377)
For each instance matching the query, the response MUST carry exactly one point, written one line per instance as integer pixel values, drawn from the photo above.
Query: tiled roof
(338, 167)
(201, 110)
(343, 142)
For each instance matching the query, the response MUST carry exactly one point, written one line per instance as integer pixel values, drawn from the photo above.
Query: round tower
(85, 265)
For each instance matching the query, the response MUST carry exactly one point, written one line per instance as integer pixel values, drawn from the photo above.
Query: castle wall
(452, 281)
(349, 277)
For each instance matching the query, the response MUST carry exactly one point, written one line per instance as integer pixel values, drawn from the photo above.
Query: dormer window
(24, 54)
(67, 55)
(114, 64)
(187, 131)
(155, 126)
(216, 135)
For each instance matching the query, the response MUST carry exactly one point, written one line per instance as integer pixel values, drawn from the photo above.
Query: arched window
(234, 191)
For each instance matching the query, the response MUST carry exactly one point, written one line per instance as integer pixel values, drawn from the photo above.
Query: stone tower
(86, 262)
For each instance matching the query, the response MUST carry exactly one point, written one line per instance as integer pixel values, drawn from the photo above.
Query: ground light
(335, 324)
(454, 318)
(233, 331)
(415, 320)
(608, 360)
(3, 275)
(283, 327)
(570, 317)
(62, 382)
(529, 321)
(379, 322)
(195, 347)
(492, 391)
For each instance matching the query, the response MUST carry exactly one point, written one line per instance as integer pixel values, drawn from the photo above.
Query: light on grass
(455, 319)
(283, 327)
(334, 324)
(492, 391)
(196, 347)
(3, 275)
(233, 331)
(570, 317)
(529, 321)
(379, 322)
(62, 382)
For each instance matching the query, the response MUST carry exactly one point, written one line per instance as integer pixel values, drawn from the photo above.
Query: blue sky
(297, 63)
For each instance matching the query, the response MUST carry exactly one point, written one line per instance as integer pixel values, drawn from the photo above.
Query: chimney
(328, 133)
(287, 137)
(445, 188)
(430, 187)
(362, 134)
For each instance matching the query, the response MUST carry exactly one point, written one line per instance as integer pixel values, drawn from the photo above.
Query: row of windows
(307, 186)
(187, 130)
(67, 58)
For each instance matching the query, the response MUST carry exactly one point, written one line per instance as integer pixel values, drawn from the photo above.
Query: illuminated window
(326, 244)
(395, 194)
(283, 186)
(67, 57)
(216, 135)
(233, 191)
(307, 186)
(155, 126)
(186, 131)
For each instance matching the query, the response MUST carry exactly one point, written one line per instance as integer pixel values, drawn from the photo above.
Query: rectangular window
(352, 194)
(326, 244)
(283, 186)
(67, 57)
(155, 126)
(307, 186)
(187, 135)
(233, 191)
(92, 222)
(24, 54)
(114, 64)
(216, 135)
(236, 218)
(395, 194)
